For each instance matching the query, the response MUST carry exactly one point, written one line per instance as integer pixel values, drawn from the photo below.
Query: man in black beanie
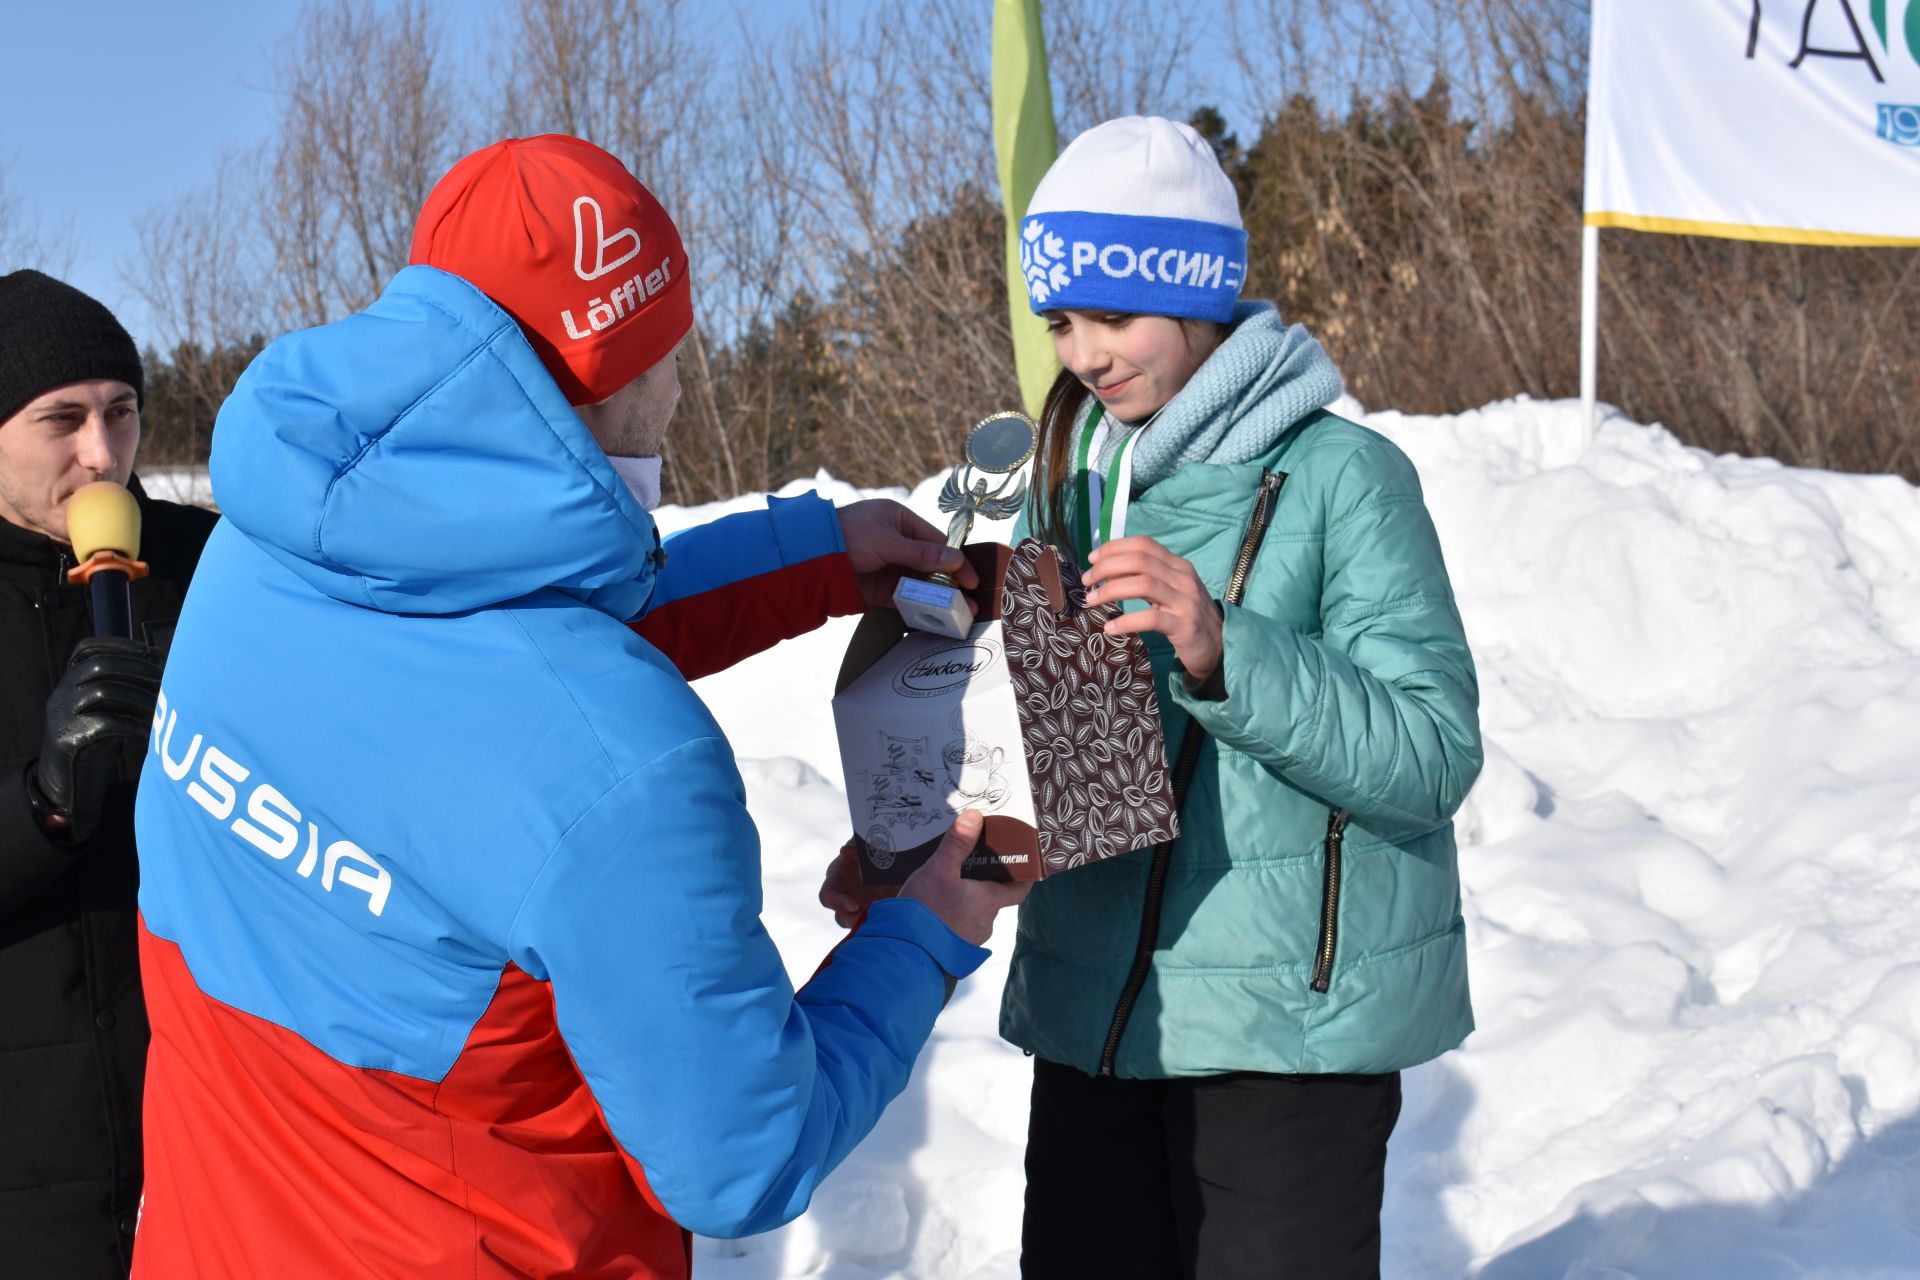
(75, 712)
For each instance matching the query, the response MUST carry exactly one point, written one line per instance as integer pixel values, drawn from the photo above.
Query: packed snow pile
(1692, 881)
(1692, 876)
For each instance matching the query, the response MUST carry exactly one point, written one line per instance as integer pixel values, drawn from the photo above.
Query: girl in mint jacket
(1218, 1027)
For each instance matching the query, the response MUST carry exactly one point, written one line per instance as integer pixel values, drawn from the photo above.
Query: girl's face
(1134, 363)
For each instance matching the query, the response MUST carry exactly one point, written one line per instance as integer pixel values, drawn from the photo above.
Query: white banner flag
(1795, 121)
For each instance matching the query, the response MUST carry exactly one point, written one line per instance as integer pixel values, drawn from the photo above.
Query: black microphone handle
(112, 603)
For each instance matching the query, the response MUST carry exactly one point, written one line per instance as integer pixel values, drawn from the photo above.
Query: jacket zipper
(1268, 499)
(1183, 767)
(1329, 904)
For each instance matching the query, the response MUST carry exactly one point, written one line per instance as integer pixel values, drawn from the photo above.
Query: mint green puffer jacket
(1349, 687)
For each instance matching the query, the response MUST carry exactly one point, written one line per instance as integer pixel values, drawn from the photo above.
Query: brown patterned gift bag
(1037, 718)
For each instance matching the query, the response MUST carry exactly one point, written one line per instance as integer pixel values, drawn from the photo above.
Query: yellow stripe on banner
(1743, 231)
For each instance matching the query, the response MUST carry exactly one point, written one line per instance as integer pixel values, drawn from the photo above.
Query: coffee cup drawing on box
(974, 775)
(1036, 717)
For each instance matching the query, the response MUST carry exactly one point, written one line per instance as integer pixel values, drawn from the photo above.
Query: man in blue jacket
(450, 899)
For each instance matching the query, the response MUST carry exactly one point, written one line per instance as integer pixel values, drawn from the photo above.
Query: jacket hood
(418, 458)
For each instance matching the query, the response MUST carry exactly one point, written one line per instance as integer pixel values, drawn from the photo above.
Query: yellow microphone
(103, 524)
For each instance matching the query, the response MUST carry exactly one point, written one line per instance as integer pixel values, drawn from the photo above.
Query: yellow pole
(1025, 144)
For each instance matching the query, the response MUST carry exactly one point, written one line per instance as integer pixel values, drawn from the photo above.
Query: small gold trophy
(998, 445)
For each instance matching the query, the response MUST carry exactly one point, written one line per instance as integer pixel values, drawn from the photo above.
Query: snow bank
(179, 484)
(1692, 877)
(1692, 873)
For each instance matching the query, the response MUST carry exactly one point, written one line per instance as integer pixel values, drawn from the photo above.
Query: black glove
(104, 702)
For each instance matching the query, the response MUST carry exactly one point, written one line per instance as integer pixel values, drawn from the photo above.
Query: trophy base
(932, 606)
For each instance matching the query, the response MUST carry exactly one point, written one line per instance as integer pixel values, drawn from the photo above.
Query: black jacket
(73, 1030)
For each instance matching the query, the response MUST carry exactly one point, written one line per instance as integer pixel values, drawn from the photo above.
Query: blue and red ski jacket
(450, 900)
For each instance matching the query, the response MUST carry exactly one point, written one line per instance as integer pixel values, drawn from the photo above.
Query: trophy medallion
(985, 485)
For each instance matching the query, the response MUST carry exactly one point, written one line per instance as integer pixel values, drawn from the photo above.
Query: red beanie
(570, 244)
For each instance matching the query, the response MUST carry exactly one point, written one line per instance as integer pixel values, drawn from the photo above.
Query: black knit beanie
(52, 334)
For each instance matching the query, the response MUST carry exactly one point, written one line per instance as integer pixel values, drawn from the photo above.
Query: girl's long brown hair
(1054, 524)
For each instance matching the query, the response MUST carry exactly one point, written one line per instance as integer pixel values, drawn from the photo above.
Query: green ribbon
(1084, 535)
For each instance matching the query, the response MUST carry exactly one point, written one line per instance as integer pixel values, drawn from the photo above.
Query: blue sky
(109, 108)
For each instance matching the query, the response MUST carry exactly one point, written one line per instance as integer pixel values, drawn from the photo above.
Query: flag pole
(1589, 330)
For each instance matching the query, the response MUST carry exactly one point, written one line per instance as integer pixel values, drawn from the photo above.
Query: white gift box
(1037, 718)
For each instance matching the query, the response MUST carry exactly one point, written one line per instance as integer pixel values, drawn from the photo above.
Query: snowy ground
(1692, 874)
(179, 485)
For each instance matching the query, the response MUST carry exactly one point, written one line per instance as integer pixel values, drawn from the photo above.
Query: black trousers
(1213, 1178)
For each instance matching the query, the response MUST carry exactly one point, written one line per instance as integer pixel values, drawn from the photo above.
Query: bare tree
(861, 233)
(628, 75)
(1113, 58)
(1429, 234)
(198, 268)
(634, 77)
(370, 123)
(1409, 171)
(198, 265)
(308, 227)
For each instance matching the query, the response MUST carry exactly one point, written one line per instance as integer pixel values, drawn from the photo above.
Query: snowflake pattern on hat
(1043, 259)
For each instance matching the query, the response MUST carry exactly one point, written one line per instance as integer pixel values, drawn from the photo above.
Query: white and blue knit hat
(1135, 216)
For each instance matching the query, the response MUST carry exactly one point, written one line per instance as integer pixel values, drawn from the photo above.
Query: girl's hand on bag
(1179, 606)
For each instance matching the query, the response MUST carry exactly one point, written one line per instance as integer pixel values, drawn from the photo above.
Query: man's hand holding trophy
(998, 446)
